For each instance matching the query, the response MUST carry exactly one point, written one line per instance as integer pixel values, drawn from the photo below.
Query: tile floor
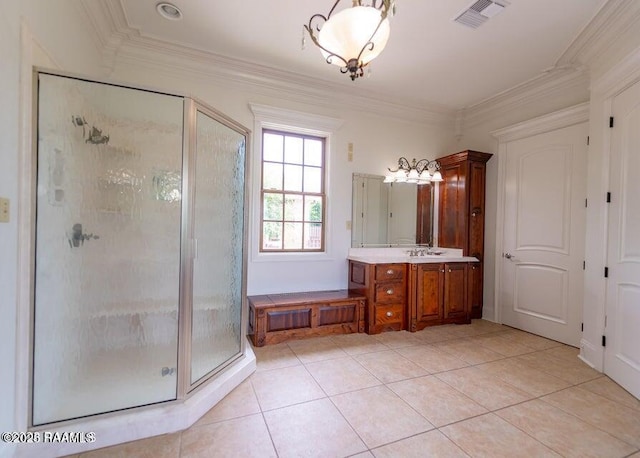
(448, 391)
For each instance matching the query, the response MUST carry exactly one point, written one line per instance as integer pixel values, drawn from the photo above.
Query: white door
(544, 233)
(622, 351)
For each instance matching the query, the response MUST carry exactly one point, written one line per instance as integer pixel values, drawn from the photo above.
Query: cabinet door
(476, 209)
(429, 286)
(455, 291)
(475, 289)
(453, 206)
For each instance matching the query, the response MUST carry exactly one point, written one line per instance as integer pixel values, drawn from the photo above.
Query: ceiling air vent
(476, 14)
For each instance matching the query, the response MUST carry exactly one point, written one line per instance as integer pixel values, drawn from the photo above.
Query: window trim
(302, 193)
(294, 122)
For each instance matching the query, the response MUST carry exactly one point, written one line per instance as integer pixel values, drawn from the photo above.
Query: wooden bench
(275, 318)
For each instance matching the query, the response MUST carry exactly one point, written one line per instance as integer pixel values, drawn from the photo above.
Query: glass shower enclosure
(139, 262)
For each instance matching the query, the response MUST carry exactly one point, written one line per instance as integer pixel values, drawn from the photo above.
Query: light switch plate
(4, 210)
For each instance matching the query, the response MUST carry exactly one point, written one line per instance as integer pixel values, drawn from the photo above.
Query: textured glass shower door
(218, 222)
(107, 260)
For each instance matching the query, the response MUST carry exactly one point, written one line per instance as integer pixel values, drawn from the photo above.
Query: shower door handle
(194, 248)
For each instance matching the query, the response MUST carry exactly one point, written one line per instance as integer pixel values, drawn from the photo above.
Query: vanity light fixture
(418, 172)
(352, 37)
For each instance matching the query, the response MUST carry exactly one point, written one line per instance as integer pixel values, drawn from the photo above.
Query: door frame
(560, 119)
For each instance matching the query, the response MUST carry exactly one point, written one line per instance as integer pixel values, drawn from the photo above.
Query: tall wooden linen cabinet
(461, 213)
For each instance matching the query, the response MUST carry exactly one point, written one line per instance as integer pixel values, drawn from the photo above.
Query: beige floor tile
(165, 446)
(635, 455)
(246, 437)
(275, 357)
(523, 377)
(316, 349)
(431, 359)
(562, 432)
(398, 339)
(379, 416)
(531, 340)
(606, 387)
(488, 391)
(431, 444)
(433, 334)
(491, 436)
(436, 401)
(565, 352)
(487, 326)
(341, 375)
(284, 387)
(389, 366)
(616, 419)
(240, 402)
(574, 372)
(468, 351)
(366, 454)
(314, 428)
(358, 343)
(500, 344)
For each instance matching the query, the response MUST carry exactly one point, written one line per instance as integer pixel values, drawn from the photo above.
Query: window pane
(272, 236)
(272, 206)
(292, 236)
(293, 207)
(292, 177)
(312, 179)
(313, 152)
(313, 208)
(272, 147)
(312, 236)
(272, 176)
(293, 150)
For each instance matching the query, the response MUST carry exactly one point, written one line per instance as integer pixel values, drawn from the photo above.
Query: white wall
(72, 47)
(378, 142)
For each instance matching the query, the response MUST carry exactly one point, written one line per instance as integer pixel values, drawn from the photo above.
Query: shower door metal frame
(184, 388)
(185, 326)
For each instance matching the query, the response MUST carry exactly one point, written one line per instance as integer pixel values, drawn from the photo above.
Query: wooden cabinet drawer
(389, 314)
(390, 292)
(386, 272)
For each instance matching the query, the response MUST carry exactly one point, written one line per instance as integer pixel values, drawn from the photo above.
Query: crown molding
(548, 85)
(556, 120)
(123, 45)
(607, 25)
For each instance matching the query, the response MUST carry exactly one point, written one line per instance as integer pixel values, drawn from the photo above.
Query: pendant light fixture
(352, 37)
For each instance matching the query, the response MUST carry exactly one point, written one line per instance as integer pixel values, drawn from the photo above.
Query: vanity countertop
(396, 255)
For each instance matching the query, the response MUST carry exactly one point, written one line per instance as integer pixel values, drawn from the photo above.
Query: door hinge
(586, 203)
(608, 197)
(611, 122)
(584, 265)
(391, 215)
(606, 272)
(587, 140)
(604, 341)
(581, 327)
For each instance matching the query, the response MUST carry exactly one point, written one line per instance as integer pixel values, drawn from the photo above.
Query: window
(293, 198)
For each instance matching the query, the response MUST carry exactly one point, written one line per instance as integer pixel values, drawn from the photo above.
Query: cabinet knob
(442, 270)
(389, 314)
(390, 291)
(390, 272)
(473, 267)
(449, 270)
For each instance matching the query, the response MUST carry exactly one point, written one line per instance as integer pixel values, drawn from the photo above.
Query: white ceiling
(429, 59)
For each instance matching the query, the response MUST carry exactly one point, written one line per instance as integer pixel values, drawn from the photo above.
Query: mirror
(384, 214)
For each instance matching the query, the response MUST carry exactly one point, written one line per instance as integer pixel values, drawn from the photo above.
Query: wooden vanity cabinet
(441, 295)
(385, 287)
(461, 211)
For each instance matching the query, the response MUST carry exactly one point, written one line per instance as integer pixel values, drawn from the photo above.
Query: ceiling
(429, 59)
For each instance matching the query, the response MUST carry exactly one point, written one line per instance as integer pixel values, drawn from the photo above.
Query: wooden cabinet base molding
(275, 318)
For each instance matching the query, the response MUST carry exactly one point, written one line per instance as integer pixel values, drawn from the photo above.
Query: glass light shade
(400, 176)
(348, 31)
(437, 176)
(425, 176)
(389, 179)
